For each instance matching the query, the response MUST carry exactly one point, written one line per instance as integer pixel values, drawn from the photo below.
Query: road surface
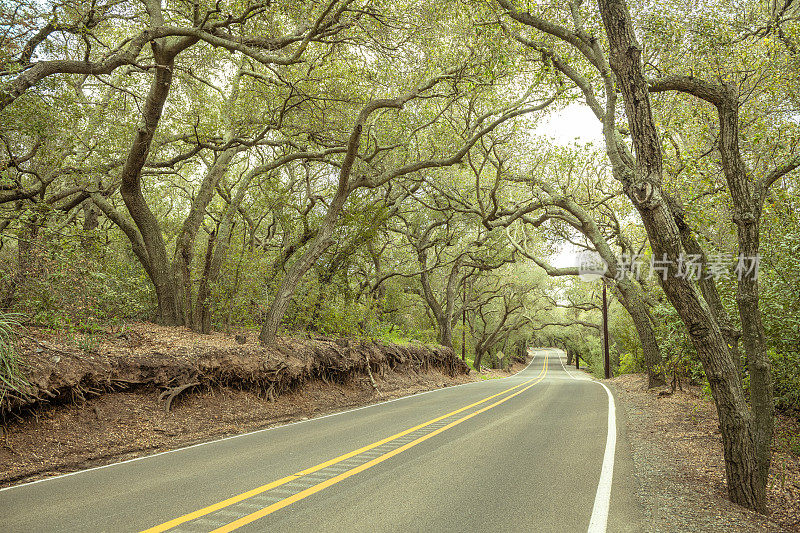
(538, 451)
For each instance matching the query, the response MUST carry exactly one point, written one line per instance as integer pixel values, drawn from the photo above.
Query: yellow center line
(252, 517)
(277, 483)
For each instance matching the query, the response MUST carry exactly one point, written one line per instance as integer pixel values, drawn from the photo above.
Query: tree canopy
(364, 167)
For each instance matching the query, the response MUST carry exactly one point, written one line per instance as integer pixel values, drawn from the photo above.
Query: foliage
(405, 251)
(391, 335)
(68, 283)
(780, 296)
(628, 364)
(11, 373)
(786, 379)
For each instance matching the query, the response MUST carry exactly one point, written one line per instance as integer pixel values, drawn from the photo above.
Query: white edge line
(583, 377)
(602, 499)
(230, 437)
(561, 360)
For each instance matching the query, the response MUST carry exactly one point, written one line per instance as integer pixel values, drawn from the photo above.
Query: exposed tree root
(171, 393)
(371, 379)
(176, 359)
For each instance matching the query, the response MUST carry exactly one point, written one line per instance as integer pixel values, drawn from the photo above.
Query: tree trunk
(643, 187)
(321, 242)
(184, 246)
(443, 316)
(445, 334)
(747, 194)
(201, 316)
(27, 258)
(90, 223)
(748, 203)
(758, 362)
(448, 319)
(221, 244)
(160, 273)
(708, 288)
(633, 301)
(476, 363)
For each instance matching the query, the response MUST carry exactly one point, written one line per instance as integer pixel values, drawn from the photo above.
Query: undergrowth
(11, 373)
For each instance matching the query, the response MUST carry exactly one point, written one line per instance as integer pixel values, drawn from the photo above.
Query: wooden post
(607, 362)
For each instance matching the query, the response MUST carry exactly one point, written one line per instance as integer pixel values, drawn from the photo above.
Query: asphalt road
(523, 453)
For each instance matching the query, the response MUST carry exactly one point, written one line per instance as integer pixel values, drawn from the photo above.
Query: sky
(574, 123)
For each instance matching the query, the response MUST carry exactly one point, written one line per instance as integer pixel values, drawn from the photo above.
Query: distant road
(532, 452)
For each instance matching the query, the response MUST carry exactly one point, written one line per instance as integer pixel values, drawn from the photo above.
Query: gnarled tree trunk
(321, 242)
(634, 302)
(169, 312)
(643, 186)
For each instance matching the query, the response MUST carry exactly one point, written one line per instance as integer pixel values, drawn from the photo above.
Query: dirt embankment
(98, 398)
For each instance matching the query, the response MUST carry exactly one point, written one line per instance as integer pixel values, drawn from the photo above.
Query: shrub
(628, 364)
(11, 374)
(786, 380)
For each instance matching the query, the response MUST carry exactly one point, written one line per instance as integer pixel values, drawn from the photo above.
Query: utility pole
(464, 321)
(607, 362)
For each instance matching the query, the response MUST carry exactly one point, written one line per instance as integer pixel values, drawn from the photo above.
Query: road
(532, 452)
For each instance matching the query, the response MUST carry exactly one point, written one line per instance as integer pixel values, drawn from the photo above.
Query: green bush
(11, 373)
(628, 364)
(390, 334)
(73, 283)
(786, 380)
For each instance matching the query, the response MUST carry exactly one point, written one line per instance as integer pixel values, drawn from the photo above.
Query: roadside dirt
(98, 415)
(71, 366)
(677, 451)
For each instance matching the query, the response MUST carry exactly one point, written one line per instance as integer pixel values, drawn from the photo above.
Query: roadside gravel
(677, 452)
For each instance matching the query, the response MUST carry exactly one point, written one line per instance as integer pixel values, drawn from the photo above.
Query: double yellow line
(346, 474)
